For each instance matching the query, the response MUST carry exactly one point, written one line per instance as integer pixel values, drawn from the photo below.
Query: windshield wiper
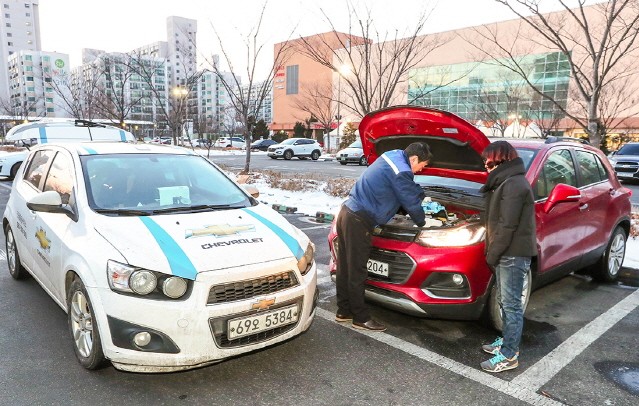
(124, 212)
(198, 207)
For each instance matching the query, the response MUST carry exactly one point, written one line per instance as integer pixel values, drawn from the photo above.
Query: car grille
(626, 167)
(219, 328)
(400, 266)
(241, 290)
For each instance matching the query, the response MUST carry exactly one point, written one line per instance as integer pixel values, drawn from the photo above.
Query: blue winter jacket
(384, 187)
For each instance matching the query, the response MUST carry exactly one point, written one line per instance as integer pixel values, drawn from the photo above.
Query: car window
(38, 166)
(157, 181)
(558, 168)
(288, 141)
(356, 144)
(61, 177)
(525, 154)
(629, 149)
(590, 167)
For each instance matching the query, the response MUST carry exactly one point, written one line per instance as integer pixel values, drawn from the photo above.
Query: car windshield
(288, 141)
(629, 149)
(356, 144)
(526, 155)
(144, 184)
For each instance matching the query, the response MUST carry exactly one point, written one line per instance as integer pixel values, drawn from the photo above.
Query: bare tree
(316, 101)
(247, 100)
(77, 93)
(598, 41)
(378, 64)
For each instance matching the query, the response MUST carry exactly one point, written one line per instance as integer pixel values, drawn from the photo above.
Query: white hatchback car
(230, 142)
(161, 261)
(54, 130)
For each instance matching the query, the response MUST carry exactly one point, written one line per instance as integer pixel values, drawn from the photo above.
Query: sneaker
(500, 363)
(370, 325)
(343, 317)
(495, 347)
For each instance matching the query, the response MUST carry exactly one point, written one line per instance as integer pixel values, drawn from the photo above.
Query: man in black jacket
(510, 244)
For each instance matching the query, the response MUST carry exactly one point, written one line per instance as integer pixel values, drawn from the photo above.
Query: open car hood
(456, 144)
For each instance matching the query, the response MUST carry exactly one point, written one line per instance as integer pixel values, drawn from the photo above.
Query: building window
(10, 43)
(6, 6)
(27, 5)
(9, 34)
(7, 15)
(292, 77)
(8, 25)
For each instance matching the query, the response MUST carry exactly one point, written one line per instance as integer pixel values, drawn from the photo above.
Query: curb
(322, 217)
(284, 209)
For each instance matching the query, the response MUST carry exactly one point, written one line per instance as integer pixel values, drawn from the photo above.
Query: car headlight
(306, 262)
(129, 279)
(462, 236)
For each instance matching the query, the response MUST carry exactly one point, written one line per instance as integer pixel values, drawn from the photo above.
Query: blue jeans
(510, 273)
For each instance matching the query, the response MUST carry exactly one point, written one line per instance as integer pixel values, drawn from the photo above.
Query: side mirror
(561, 193)
(51, 202)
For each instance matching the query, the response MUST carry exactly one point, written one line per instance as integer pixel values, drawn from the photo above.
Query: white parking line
(525, 385)
(546, 368)
(6, 186)
(516, 391)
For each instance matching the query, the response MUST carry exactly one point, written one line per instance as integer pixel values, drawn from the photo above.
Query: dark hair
(419, 149)
(499, 152)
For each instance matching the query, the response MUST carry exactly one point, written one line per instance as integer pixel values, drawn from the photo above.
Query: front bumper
(276, 153)
(196, 328)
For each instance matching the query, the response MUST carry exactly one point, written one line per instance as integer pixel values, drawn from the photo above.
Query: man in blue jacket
(375, 198)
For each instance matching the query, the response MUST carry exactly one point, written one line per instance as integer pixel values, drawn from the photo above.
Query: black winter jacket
(510, 213)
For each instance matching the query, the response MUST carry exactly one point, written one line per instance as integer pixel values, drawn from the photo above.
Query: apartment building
(19, 30)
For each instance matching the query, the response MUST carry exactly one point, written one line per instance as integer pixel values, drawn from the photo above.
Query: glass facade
(490, 91)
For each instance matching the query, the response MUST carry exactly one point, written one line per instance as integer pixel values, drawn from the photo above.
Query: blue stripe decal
(90, 151)
(122, 136)
(179, 262)
(289, 240)
(43, 135)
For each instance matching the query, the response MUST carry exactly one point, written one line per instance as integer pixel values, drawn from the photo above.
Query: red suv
(581, 209)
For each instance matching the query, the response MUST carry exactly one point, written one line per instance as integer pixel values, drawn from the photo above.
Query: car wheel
(288, 155)
(608, 266)
(342, 162)
(14, 170)
(363, 161)
(315, 155)
(84, 327)
(494, 310)
(16, 270)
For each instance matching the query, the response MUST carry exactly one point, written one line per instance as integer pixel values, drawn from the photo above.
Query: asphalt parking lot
(579, 348)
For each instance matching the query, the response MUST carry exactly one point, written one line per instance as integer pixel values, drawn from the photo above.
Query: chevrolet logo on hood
(263, 304)
(219, 230)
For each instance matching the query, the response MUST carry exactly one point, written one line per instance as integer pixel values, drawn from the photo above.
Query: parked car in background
(439, 270)
(203, 142)
(353, 154)
(626, 161)
(230, 142)
(45, 131)
(161, 261)
(301, 148)
(262, 144)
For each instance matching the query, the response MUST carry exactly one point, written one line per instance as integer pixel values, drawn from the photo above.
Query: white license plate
(245, 326)
(377, 267)
(624, 175)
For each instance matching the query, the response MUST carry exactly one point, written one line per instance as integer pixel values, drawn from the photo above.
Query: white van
(45, 131)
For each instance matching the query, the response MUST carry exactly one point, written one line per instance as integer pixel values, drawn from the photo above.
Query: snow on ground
(309, 203)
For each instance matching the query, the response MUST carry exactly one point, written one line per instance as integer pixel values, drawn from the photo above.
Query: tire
(288, 155)
(608, 267)
(16, 270)
(363, 161)
(315, 155)
(494, 311)
(83, 327)
(14, 170)
(342, 162)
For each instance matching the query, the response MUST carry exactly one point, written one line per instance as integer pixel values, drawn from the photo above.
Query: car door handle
(583, 207)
